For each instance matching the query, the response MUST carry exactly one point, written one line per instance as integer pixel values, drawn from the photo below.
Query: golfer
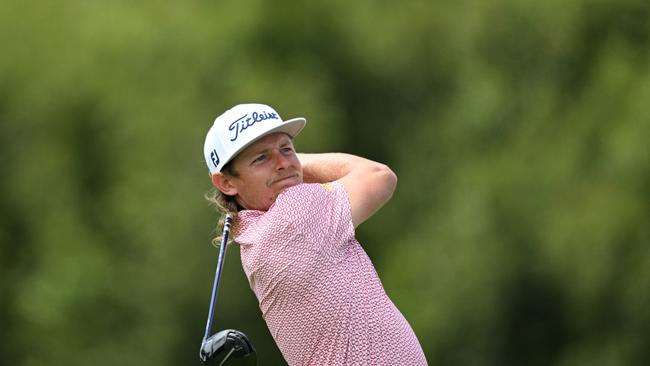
(294, 218)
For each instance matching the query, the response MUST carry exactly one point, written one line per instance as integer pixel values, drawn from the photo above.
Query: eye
(287, 149)
(259, 158)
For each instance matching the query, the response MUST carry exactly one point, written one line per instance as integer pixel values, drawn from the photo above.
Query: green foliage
(518, 129)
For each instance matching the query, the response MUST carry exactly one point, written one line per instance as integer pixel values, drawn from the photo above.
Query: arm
(369, 184)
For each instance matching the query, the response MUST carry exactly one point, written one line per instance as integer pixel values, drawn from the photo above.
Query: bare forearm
(369, 184)
(327, 167)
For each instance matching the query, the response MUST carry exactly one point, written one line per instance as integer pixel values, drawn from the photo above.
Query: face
(264, 169)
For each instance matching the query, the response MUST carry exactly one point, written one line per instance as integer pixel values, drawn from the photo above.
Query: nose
(281, 162)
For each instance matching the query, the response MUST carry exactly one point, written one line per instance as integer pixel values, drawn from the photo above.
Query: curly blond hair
(224, 204)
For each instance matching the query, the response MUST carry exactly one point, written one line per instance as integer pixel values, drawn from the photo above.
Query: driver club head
(225, 345)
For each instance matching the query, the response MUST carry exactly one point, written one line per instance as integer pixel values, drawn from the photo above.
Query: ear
(224, 184)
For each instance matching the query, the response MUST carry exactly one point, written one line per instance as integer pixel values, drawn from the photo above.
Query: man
(295, 216)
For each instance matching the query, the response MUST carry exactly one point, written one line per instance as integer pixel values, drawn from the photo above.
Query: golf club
(230, 343)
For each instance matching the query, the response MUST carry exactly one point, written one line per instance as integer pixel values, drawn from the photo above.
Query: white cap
(240, 126)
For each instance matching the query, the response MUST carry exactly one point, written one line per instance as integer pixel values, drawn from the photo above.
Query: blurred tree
(518, 130)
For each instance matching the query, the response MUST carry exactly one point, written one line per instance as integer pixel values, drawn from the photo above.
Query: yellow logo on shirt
(328, 186)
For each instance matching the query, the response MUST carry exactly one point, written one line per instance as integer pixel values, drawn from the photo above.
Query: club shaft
(217, 275)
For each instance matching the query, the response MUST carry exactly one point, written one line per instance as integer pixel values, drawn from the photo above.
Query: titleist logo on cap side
(245, 121)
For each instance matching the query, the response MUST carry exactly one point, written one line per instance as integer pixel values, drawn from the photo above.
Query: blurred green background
(519, 130)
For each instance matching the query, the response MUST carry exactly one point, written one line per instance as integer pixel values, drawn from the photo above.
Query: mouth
(286, 179)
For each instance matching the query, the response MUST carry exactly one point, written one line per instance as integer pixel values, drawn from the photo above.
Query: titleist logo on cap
(246, 121)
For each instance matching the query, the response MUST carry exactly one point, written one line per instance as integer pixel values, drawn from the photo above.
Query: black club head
(227, 344)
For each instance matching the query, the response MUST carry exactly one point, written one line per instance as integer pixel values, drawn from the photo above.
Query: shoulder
(306, 191)
(295, 204)
(304, 198)
(298, 211)
(287, 212)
